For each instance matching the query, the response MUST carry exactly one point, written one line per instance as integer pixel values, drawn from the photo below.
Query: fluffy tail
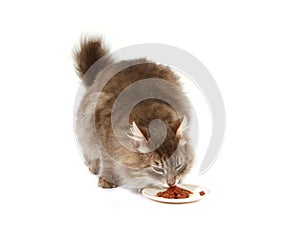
(90, 50)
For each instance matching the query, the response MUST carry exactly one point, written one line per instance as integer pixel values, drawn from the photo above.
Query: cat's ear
(136, 133)
(180, 126)
(139, 140)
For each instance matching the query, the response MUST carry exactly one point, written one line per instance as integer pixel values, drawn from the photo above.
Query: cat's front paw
(105, 184)
(94, 166)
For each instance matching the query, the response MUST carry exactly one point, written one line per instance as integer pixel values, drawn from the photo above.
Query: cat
(142, 165)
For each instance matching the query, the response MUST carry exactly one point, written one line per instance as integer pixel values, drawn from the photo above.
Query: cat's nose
(171, 182)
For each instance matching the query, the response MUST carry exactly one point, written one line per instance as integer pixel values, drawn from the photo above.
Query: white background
(251, 48)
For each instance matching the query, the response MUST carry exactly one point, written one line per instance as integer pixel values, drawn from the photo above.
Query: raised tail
(91, 49)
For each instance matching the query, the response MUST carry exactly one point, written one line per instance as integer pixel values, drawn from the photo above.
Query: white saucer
(151, 192)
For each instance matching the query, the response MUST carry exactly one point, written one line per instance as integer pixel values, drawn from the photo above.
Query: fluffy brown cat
(143, 164)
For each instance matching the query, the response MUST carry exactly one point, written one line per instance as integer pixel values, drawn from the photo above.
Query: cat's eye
(158, 170)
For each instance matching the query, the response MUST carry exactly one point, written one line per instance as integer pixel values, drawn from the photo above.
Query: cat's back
(125, 73)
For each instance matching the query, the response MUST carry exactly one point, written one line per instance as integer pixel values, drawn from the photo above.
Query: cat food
(202, 193)
(175, 193)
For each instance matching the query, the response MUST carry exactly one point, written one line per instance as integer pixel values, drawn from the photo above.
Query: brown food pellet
(202, 193)
(175, 192)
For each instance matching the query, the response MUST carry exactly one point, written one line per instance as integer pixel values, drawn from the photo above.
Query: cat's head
(169, 162)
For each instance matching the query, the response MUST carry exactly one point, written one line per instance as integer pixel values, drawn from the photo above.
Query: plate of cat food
(182, 193)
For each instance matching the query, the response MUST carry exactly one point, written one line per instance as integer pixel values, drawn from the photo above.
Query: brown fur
(122, 166)
(90, 50)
